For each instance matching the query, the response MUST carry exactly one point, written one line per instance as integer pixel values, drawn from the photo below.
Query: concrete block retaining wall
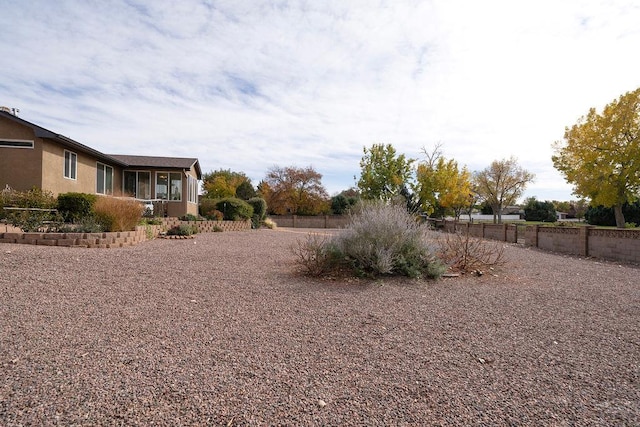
(113, 239)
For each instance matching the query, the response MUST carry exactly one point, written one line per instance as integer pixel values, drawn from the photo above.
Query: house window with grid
(70, 164)
(104, 179)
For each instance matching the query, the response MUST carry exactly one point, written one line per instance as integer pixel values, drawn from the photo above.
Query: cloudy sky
(249, 84)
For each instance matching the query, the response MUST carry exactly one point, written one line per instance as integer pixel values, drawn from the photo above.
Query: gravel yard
(222, 330)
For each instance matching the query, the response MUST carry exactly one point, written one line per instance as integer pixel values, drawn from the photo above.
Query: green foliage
(339, 204)
(182, 230)
(383, 172)
(605, 216)
(381, 239)
(115, 214)
(259, 211)
(189, 217)
(87, 224)
(535, 210)
(245, 190)
(259, 207)
(234, 209)
(75, 206)
(32, 210)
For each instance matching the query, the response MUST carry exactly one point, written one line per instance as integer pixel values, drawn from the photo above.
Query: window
(192, 183)
(137, 184)
(70, 164)
(104, 179)
(169, 186)
(176, 186)
(162, 185)
(15, 143)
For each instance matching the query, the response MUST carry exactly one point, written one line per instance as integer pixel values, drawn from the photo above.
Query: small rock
(322, 403)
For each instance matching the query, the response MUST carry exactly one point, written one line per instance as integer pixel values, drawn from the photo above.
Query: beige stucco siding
(20, 167)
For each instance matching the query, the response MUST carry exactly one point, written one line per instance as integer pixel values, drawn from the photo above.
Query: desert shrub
(75, 206)
(270, 224)
(182, 230)
(317, 255)
(217, 229)
(209, 210)
(464, 253)
(115, 214)
(34, 210)
(88, 224)
(234, 209)
(380, 239)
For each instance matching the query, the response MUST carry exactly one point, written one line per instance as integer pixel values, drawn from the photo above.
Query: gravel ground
(222, 330)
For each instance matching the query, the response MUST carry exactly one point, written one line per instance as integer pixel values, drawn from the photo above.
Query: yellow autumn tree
(222, 183)
(600, 154)
(442, 185)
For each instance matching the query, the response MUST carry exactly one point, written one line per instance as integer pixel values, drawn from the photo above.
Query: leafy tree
(605, 216)
(383, 172)
(245, 190)
(535, 210)
(223, 183)
(599, 154)
(292, 190)
(501, 184)
(443, 186)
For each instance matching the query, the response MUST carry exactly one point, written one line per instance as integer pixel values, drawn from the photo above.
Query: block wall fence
(613, 244)
(120, 239)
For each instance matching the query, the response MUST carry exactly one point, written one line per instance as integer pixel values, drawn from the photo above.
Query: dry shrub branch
(464, 253)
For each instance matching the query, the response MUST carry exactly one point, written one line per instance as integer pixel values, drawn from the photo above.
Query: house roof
(125, 161)
(41, 132)
(184, 163)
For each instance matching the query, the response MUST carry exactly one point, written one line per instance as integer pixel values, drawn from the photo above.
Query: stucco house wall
(43, 166)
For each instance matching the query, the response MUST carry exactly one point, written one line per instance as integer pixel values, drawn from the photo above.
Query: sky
(250, 85)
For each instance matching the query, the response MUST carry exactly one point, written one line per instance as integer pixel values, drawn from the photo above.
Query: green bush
(115, 214)
(35, 210)
(182, 230)
(189, 217)
(75, 206)
(259, 211)
(234, 209)
(380, 239)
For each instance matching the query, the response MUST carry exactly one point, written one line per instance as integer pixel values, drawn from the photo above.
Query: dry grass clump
(117, 214)
(464, 253)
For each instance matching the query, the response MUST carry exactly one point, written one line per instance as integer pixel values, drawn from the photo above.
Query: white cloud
(248, 85)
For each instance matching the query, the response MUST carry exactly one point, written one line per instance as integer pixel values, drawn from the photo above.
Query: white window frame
(105, 168)
(70, 170)
(192, 184)
(17, 143)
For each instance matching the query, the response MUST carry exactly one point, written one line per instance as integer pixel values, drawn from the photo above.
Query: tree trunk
(497, 215)
(617, 210)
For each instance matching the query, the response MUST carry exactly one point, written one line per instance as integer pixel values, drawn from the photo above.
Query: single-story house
(32, 156)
